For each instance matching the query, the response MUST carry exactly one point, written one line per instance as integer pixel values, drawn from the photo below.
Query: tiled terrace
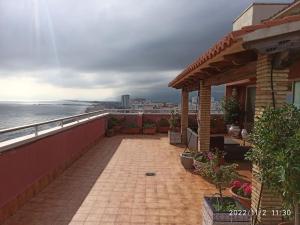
(108, 185)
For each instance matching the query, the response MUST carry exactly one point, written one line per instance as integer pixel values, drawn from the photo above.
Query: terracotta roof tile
(230, 39)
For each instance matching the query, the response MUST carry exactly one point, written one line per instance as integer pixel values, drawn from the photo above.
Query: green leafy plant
(231, 109)
(203, 157)
(149, 124)
(131, 125)
(221, 176)
(276, 152)
(163, 122)
(174, 121)
(227, 205)
(112, 122)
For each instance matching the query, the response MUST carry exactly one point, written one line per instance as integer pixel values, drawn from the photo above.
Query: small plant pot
(163, 129)
(131, 130)
(187, 160)
(117, 128)
(174, 137)
(211, 217)
(150, 130)
(243, 200)
(110, 132)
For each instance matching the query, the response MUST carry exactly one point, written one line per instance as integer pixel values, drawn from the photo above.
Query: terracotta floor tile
(107, 185)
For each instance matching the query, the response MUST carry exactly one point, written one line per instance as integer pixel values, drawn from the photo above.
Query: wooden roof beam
(241, 58)
(236, 74)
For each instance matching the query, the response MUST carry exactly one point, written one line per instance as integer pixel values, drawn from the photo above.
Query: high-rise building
(125, 101)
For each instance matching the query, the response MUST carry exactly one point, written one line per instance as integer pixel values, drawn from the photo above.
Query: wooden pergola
(266, 55)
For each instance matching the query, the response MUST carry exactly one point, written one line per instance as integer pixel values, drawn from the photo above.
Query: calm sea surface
(14, 114)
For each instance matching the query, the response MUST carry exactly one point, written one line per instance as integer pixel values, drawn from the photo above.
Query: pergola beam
(240, 73)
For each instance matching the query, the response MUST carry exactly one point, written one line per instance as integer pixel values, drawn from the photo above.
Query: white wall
(256, 13)
(246, 19)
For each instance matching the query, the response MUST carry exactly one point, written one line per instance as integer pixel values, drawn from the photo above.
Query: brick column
(184, 115)
(203, 117)
(264, 98)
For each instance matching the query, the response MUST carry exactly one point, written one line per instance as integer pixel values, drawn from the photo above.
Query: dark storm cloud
(126, 45)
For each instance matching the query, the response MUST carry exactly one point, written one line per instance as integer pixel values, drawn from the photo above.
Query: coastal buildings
(215, 105)
(125, 101)
(147, 104)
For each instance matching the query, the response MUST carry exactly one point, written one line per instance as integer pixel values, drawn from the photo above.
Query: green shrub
(112, 122)
(174, 120)
(149, 124)
(276, 151)
(231, 110)
(163, 122)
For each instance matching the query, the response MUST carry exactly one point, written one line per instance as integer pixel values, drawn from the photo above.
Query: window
(297, 94)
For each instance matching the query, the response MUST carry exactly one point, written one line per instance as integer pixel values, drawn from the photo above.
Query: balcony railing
(21, 133)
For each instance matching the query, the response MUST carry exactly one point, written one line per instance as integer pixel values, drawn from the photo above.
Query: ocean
(13, 114)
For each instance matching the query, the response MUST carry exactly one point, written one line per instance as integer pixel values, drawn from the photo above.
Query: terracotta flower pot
(149, 130)
(117, 128)
(131, 130)
(163, 129)
(243, 200)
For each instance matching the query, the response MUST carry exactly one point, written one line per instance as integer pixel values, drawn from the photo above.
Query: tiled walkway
(108, 186)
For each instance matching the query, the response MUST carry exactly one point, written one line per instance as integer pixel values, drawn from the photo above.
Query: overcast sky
(100, 49)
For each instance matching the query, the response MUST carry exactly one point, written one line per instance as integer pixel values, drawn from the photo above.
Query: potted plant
(149, 127)
(111, 123)
(131, 128)
(220, 209)
(276, 153)
(242, 191)
(187, 159)
(163, 125)
(174, 132)
(231, 110)
(201, 159)
(117, 124)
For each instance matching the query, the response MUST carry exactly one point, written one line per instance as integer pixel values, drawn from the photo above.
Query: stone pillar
(203, 117)
(264, 98)
(184, 115)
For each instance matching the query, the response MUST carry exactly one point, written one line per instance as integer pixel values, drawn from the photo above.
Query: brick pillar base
(264, 98)
(184, 115)
(204, 118)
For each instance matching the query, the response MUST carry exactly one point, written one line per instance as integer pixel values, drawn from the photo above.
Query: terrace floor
(107, 185)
